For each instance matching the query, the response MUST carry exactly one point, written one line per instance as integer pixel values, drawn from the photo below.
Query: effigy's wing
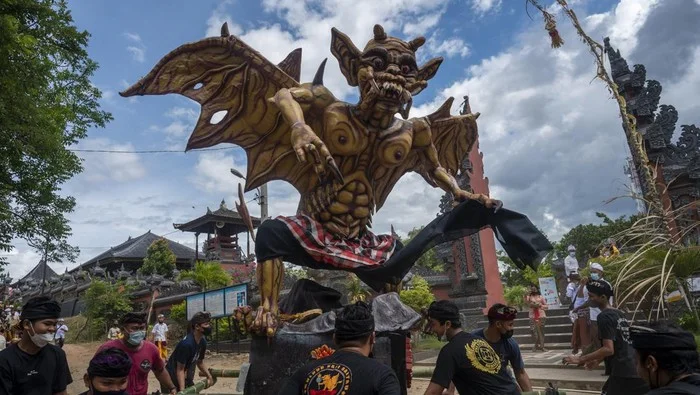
(232, 82)
(453, 138)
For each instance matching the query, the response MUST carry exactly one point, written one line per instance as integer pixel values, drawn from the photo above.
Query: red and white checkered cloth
(346, 254)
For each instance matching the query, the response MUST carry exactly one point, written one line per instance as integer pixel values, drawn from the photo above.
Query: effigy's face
(385, 71)
(388, 75)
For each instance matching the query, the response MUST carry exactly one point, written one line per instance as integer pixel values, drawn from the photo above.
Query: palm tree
(208, 275)
(356, 292)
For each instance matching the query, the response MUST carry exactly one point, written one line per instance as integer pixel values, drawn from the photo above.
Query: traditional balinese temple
(38, 276)
(472, 279)
(119, 263)
(223, 228)
(677, 165)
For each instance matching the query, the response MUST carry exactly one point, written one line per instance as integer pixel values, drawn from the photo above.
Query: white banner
(548, 288)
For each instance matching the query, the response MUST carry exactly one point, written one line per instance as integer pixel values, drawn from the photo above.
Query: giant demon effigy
(344, 159)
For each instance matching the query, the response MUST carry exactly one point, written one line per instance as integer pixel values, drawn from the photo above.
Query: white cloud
(181, 121)
(450, 47)
(133, 37)
(624, 22)
(137, 53)
(137, 49)
(423, 25)
(119, 167)
(309, 27)
(484, 6)
(212, 172)
(217, 20)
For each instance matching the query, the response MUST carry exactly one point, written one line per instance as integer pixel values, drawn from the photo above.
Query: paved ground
(542, 367)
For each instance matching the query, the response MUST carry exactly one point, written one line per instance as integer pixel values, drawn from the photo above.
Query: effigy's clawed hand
(462, 195)
(265, 323)
(310, 148)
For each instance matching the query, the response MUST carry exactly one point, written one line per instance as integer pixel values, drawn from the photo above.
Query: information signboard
(219, 303)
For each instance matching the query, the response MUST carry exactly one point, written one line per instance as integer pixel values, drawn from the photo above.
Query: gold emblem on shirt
(482, 356)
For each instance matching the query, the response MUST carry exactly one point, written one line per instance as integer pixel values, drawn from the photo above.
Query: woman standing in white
(160, 336)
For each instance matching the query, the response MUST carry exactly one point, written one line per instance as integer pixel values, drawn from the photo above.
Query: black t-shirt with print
(473, 366)
(687, 386)
(46, 372)
(188, 353)
(612, 325)
(344, 372)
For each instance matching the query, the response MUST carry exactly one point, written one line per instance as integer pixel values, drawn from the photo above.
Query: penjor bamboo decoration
(635, 141)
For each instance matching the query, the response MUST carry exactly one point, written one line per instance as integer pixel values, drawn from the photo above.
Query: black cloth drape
(521, 240)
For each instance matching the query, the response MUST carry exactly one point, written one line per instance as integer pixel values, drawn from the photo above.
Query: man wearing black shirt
(667, 359)
(190, 352)
(499, 334)
(348, 371)
(467, 361)
(613, 330)
(33, 366)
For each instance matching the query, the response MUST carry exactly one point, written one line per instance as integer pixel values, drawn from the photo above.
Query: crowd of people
(655, 359)
(37, 365)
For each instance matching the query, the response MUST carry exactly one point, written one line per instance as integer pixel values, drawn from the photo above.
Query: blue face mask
(135, 338)
(595, 276)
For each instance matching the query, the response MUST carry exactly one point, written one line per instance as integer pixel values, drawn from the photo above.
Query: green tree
(356, 292)
(515, 295)
(208, 275)
(159, 259)
(511, 276)
(419, 296)
(429, 259)
(587, 238)
(104, 304)
(47, 104)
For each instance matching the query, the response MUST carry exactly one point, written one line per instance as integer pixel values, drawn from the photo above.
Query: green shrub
(515, 296)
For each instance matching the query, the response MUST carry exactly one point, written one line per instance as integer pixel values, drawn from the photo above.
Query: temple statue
(344, 159)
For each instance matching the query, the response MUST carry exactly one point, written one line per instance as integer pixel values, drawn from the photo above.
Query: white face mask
(41, 340)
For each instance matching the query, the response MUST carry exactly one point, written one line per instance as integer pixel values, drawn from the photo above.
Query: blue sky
(552, 144)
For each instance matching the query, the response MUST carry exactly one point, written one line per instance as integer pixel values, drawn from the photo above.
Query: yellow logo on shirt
(482, 356)
(328, 379)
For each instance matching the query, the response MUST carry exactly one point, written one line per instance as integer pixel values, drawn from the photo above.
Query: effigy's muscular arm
(292, 103)
(441, 177)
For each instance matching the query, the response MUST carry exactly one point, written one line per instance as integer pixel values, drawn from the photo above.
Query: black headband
(133, 318)
(353, 329)
(111, 362)
(40, 308)
(600, 288)
(444, 312)
(649, 339)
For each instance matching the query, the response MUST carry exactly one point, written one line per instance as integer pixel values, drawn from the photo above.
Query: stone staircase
(557, 330)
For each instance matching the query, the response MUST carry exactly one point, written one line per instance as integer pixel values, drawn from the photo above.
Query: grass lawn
(428, 343)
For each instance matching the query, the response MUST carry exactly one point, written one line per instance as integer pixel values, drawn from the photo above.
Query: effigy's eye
(405, 69)
(378, 64)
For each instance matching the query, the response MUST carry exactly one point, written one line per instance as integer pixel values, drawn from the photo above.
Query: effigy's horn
(416, 43)
(379, 33)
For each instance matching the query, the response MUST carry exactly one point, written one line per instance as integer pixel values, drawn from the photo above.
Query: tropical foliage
(429, 259)
(419, 296)
(159, 259)
(515, 295)
(208, 275)
(356, 291)
(47, 104)
(104, 304)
